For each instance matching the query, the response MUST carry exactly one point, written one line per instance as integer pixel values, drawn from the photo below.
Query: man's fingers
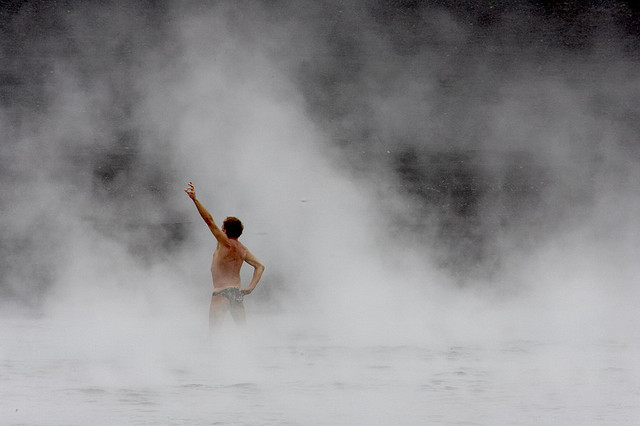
(190, 190)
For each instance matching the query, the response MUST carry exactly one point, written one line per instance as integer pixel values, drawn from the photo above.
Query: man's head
(232, 227)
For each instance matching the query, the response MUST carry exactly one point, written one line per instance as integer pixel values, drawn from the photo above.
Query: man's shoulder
(243, 248)
(237, 244)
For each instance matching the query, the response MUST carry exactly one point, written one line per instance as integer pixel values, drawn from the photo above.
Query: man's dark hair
(232, 227)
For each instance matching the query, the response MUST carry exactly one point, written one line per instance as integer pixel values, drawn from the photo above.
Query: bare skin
(228, 258)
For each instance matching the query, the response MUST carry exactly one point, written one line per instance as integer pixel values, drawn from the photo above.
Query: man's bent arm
(258, 269)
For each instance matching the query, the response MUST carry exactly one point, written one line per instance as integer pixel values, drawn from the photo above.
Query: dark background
(445, 71)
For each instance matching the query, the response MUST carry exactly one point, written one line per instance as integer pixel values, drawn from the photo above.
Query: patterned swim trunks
(232, 294)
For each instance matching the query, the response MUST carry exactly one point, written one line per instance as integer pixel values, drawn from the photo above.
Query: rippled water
(52, 375)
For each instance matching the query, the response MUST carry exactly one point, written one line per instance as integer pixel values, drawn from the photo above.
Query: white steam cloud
(342, 135)
(226, 97)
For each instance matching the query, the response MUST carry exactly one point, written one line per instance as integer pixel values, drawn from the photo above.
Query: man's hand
(191, 191)
(245, 291)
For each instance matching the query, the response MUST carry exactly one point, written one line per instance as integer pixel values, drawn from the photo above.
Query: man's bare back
(227, 261)
(226, 264)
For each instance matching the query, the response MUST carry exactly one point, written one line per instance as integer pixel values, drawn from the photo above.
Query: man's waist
(222, 287)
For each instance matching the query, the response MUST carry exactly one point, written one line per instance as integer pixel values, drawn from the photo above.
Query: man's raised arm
(208, 219)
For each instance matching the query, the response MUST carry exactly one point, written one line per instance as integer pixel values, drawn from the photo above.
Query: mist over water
(445, 198)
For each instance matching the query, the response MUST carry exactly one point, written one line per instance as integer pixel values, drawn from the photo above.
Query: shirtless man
(225, 266)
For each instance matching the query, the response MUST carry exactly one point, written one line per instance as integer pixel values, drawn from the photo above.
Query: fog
(410, 174)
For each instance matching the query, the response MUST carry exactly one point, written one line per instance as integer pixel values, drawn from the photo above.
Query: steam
(299, 118)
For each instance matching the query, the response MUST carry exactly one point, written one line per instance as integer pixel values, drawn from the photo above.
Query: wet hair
(233, 227)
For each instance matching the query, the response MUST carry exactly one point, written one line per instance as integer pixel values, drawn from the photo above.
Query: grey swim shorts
(232, 294)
